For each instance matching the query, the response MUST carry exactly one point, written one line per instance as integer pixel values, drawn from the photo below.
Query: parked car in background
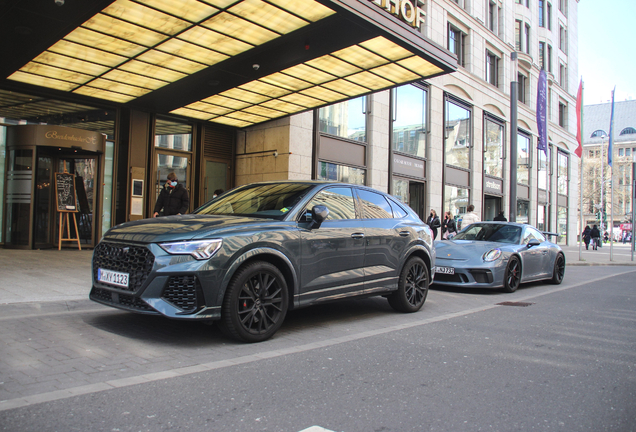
(498, 255)
(248, 256)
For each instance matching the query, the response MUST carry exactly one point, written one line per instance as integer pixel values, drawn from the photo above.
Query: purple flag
(542, 109)
(611, 132)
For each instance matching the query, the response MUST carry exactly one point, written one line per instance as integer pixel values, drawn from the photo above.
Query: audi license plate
(445, 270)
(112, 277)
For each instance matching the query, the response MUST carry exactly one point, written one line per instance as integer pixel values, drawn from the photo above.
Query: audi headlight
(492, 255)
(200, 249)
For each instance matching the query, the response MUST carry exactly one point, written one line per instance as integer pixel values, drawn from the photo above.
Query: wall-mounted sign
(406, 10)
(408, 166)
(493, 186)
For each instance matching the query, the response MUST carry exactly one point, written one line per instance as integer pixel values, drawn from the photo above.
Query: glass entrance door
(492, 207)
(168, 163)
(216, 179)
(416, 199)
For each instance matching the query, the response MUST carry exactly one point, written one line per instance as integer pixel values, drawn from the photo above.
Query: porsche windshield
(272, 201)
(491, 232)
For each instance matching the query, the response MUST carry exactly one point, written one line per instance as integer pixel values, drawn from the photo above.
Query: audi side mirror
(318, 215)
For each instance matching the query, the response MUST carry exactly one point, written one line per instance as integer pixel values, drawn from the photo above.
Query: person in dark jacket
(173, 199)
(596, 237)
(433, 222)
(500, 217)
(449, 228)
(587, 236)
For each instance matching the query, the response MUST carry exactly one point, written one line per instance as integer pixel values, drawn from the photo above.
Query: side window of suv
(374, 206)
(338, 200)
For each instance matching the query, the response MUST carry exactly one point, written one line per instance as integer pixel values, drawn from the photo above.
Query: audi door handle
(405, 233)
(357, 236)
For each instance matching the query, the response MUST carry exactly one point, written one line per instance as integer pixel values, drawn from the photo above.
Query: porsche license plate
(445, 270)
(112, 277)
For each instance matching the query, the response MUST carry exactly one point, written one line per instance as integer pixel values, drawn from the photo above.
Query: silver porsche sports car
(498, 255)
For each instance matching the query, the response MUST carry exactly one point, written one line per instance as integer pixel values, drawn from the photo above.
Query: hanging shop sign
(493, 186)
(406, 10)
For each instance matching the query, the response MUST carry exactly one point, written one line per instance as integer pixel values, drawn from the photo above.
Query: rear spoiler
(550, 234)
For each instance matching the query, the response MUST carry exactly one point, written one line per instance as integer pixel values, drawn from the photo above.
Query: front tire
(512, 277)
(255, 303)
(559, 270)
(412, 287)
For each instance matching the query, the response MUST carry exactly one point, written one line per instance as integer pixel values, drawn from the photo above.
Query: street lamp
(513, 137)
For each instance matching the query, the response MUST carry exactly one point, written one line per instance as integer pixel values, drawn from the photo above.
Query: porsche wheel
(512, 277)
(255, 303)
(559, 269)
(412, 287)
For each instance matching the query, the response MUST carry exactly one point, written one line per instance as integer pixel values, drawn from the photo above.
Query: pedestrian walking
(500, 217)
(587, 236)
(433, 222)
(470, 218)
(173, 198)
(596, 237)
(449, 228)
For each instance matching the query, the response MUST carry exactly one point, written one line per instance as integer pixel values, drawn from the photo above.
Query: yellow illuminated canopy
(134, 47)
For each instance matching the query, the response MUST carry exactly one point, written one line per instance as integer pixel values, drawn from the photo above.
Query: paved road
(565, 362)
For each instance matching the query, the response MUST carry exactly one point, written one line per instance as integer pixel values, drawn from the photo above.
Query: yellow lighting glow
(346, 87)
(119, 87)
(103, 94)
(386, 48)
(121, 29)
(134, 79)
(282, 106)
(171, 62)
(395, 73)
(334, 65)
(264, 112)
(145, 16)
(82, 52)
(243, 95)
(268, 16)
(192, 113)
(286, 81)
(232, 122)
(239, 28)
(264, 89)
(309, 74)
(369, 80)
(360, 57)
(302, 100)
(323, 94)
(65, 62)
(42, 81)
(252, 118)
(308, 9)
(191, 10)
(56, 73)
(226, 102)
(420, 66)
(158, 72)
(209, 108)
(193, 52)
(215, 41)
(104, 42)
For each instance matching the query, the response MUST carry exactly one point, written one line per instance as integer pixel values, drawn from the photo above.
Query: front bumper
(490, 275)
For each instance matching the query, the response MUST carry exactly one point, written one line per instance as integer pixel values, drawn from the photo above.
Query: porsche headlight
(492, 255)
(200, 249)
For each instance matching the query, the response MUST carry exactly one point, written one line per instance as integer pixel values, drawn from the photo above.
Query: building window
(492, 68)
(549, 16)
(523, 82)
(341, 173)
(563, 76)
(523, 158)
(542, 55)
(542, 217)
(563, 114)
(628, 152)
(493, 148)
(562, 223)
(526, 41)
(345, 119)
(562, 174)
(563, 39)
(541, 13)
(458, 137)
(518, 36)
(523, 211)
(543, 170)
(550, 58)
(456, 201)
(598, 133)
(410, 124)
(620, 152)
(492, 16)
(456, 43)
(563, 7)
(628, 131)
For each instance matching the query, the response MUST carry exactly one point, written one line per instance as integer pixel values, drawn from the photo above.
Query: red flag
(579, 117)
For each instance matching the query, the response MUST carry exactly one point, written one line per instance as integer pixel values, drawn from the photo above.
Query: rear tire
(512, 277)
(412, 287)
(255, 303)
(559, 269)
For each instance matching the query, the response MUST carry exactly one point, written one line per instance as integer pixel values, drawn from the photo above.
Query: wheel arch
(270, 255)
(420, 252)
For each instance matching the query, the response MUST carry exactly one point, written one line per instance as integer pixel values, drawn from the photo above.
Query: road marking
(220, 364)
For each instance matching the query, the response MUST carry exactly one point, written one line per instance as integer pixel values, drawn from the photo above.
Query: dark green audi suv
(248, 256)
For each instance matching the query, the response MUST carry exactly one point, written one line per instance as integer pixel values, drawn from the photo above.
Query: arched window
(598, 133)
(628, 131)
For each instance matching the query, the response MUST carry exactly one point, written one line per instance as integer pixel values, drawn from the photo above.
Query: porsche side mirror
(318, 215)
(533, 242)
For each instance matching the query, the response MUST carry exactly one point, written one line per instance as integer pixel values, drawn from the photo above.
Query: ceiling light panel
(419, 66)
(103, 94)
(134, 79)
(190, 10)
(264, 112)
(242, 115)
(82, 52)
(386, 48)
(309, 10)
(146, 69)
(286, 81)
(360, 57)
(56, 73)
(268, 16)
(209, 108)
(216, 41)
(346, 87)
(169, 61)
(124, 30)
(119, 87)
(243, 95)
(232, 122)
(323, 94)
(192, 113)
(264, 89)
(334, 65)
(283, 106)
(369, 80)
(146, 17)
(42, 81)
(302, 100)
(69, 63)
(395, 73)
(223, 101)
(309, 74)
(240, 29)
(104, 42)
(193, 52)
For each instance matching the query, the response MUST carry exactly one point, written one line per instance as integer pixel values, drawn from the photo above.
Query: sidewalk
(65, 276)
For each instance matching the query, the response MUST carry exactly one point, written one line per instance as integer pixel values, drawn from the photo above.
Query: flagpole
(582, 227)
(611, 209)
(610, 160)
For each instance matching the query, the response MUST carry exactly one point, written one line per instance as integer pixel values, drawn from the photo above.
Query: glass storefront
(457, 132)
(345, 119)
(3, 152)
(410, 120)
(107, 193)
(341, 173)
(456, 201)
(493, 148)
(542, 217)
(562, 173)
(523, 158)
(543, 171)
(523, 211)
(562, 225)
(173, 145)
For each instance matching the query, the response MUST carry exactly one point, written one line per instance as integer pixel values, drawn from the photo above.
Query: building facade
(408, 97)
(600, 180)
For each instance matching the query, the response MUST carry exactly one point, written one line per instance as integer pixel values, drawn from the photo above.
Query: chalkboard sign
(65, 192)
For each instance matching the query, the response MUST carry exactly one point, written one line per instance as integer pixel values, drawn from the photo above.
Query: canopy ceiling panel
(234, 62)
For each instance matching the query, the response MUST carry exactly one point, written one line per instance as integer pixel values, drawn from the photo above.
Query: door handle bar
(357, 236)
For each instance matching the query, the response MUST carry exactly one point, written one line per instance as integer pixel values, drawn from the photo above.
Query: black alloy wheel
(255, 303)
(412, 287)
(559, 269)
(512, 276)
